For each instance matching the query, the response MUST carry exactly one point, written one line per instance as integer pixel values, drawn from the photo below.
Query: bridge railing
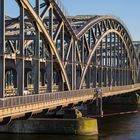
(56, 96)
(38, 98)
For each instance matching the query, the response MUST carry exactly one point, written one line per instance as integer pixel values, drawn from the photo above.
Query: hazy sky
(127, 10)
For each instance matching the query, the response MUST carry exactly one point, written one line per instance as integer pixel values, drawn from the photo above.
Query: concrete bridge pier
(72, 123)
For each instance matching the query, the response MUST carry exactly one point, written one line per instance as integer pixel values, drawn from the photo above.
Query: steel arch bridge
(44, 50)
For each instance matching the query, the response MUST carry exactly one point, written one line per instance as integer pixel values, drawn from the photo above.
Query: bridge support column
(99, 101)
(94, 71)
(74, 66)
(73, 123)
(114, 60)
(101, 66)
(49, 72)
(2, 49)
(49, 69)
(106, 63)
(121, 59)
(110, 62)
(83, 126)
(82, 53)
(88, 77)
(20, 59)
(36, 67)
(42, 73)
(117, 62)
(62, 55)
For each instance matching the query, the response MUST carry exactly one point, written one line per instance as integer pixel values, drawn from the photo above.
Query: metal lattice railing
(48, 97)
(56, 96)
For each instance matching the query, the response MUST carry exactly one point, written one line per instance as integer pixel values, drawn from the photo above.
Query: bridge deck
(15, 107)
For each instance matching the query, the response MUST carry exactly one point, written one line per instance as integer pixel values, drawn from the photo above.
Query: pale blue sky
(127, 10)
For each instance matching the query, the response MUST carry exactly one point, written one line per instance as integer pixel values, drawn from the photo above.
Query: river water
(116, 127)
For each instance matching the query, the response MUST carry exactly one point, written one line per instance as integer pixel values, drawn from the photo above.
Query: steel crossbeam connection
(44, 50)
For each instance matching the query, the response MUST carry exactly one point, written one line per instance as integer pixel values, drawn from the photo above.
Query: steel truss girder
(47, 37)
(114, 26)
(75, 55)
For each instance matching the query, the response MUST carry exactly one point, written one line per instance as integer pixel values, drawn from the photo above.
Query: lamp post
(99, 101)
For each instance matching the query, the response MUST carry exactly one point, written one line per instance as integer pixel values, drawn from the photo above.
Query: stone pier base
(82, 126)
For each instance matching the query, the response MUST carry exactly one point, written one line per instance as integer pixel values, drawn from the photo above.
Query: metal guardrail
(56, 96)
(48, 97)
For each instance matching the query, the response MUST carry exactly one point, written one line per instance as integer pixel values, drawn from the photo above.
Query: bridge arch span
(95, 31)
(71, 51)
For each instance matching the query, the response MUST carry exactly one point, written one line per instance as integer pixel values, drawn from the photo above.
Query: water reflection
(45, 137)
(118, 127)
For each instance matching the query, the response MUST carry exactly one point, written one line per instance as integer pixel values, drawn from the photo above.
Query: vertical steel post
(83, 54)
(94, 70)
(122, 60)
(89, 38)
(36, 66)
(114, 70)
(49, 68)
(117, 59)
(96, 61)
(110, 71)
(20, 61)
(121, 64)
(88, 78)
(106, 62)
(2, 48)
(88, 75)
(62, 44)
(127, 73)
(74, 65)
(101, 65)
(99, 101)
(125, 68)
(62, 55)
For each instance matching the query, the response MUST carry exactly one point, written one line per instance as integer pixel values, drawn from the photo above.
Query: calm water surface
(119, 127)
